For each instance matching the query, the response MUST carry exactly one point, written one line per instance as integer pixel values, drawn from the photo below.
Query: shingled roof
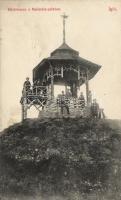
(64, 52)
(65, 55)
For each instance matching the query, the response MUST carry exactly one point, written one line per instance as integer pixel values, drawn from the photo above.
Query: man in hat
(27, 85)
(95, 109)
(64, 103)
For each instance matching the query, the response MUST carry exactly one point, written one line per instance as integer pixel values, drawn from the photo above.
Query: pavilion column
(24, 110)
(52, 83)
(87, 87)
(65, 88)
(24, 105)
(74, 89)
(22, 117)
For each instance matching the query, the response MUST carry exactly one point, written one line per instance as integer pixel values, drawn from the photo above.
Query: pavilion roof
(65, 54)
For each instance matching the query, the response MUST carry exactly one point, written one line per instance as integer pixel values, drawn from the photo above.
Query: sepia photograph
(60, 100)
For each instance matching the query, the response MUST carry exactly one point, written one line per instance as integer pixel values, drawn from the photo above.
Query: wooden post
(24, 111)
(74, 90)
(22, 117)
(24, 105)
(52, 83)
(65, 88)
(87, 88)
(78, 73)
(62, 71)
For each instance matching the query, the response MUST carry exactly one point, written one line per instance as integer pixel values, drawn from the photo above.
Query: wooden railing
(36, 91)
(51, 107)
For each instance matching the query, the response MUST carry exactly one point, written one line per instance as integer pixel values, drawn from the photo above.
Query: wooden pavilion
(65, 67)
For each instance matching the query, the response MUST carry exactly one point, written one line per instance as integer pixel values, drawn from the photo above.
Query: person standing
(95, 109)
(38, 88)
(27, 85)
(81, 100)
(68, 94)
(64, 103)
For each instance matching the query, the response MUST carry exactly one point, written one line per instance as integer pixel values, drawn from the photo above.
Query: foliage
(61, 157)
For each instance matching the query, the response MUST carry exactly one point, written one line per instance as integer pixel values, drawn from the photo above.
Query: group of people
(36, 89)
(94, 106)
(63, 100)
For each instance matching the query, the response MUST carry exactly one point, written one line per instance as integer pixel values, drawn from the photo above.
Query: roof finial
(64, 17)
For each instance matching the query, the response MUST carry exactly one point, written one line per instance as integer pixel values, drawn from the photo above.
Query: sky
(93, 28)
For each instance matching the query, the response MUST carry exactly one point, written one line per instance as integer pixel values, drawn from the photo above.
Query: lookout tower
(65, 67)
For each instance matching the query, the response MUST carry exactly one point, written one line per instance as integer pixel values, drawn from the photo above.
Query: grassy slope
(66, 157)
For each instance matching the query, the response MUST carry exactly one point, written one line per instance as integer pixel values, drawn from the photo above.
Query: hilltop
(72, 159)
